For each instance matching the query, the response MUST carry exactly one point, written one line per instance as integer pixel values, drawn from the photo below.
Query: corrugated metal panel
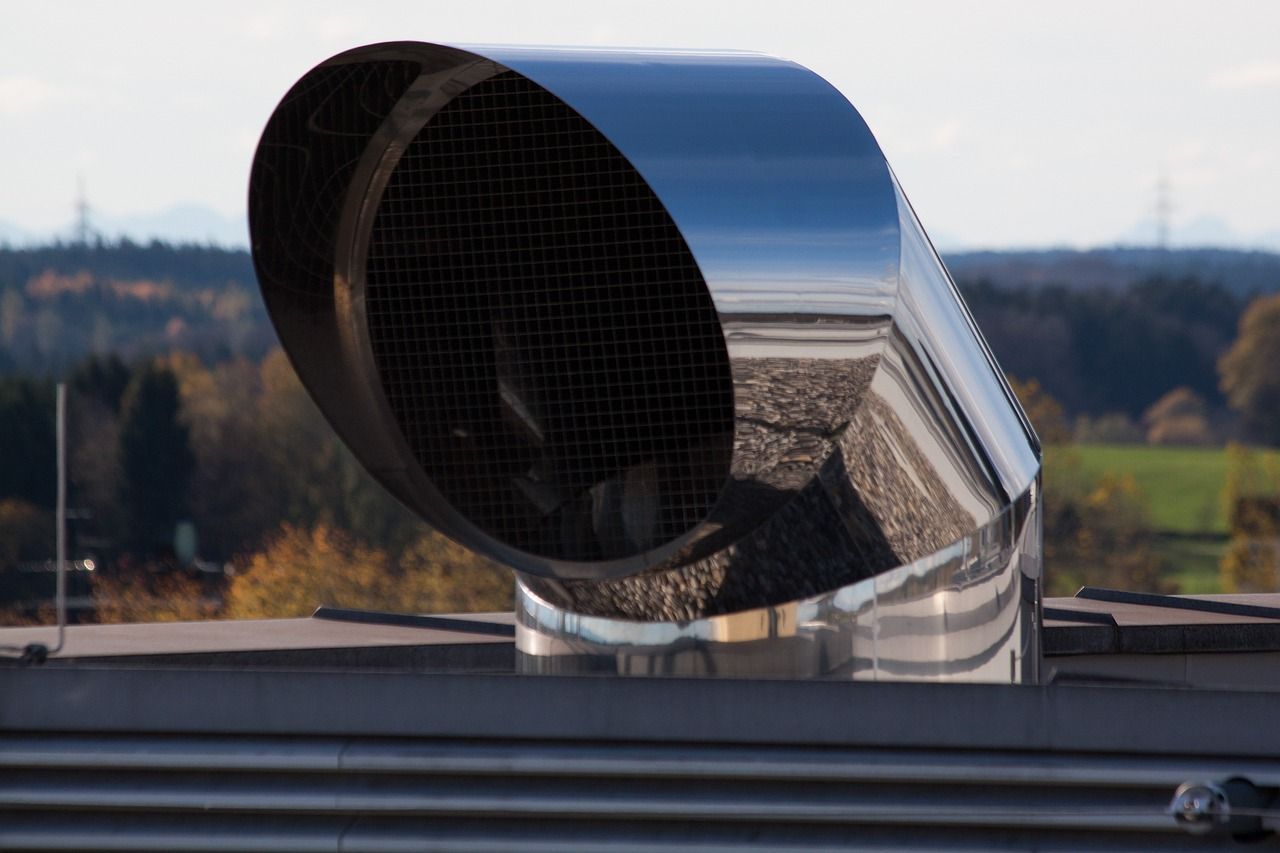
(161, 792)
(216, 759)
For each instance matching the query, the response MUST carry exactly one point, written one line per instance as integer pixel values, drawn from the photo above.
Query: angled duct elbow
(660, 331)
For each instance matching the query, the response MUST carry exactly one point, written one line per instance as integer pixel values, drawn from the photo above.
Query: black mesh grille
(543, 334)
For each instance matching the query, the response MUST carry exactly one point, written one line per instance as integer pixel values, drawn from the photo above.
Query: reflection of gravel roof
(918, 515)
(848, 510)
(789, 410)
(811, 394)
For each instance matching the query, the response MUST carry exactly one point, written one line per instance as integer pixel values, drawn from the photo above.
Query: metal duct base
(969, 612)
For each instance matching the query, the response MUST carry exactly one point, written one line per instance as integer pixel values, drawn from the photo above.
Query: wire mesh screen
(543, 334)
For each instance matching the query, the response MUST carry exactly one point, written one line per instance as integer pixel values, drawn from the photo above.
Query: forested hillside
(60, 303)
(1110, 350)
(1103, 331)
(1242, 273)
(203, 481)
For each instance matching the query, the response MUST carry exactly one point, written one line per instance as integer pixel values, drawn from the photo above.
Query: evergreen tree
(28, 441)
(102, 379)
(155, 457)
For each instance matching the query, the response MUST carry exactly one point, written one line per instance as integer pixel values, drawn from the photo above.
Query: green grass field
(1182, 485)
(1192, 563)
(1183, 489)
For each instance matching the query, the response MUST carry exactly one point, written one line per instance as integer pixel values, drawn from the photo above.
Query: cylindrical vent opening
(543, 334)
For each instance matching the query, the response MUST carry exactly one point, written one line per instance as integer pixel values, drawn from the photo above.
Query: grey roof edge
(902, 715)
(1199, 604)
(1227, 638)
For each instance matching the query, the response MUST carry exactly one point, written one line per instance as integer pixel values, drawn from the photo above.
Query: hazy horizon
(1008, 127)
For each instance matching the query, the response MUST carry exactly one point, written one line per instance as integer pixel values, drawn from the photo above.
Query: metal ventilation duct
(660, 331)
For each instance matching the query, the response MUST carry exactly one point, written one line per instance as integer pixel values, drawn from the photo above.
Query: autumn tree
(1110, 428)
(1251, 497)
(1097, 531)
(12, 316)
(319, 478)
(1249, 372)
(441, 576)
(303, 568)
(235, 491)
(1180, 417)
(260, 453)
(1043, 410)
(147, 597)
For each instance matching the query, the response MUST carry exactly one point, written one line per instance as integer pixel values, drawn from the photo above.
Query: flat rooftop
(1224, 640)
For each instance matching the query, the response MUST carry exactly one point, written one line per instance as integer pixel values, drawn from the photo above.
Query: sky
(1009, 125)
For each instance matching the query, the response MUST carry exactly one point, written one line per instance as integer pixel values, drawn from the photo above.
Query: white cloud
(905, 137)
(605, 33)
(945, 135)
(245, 140)
(1187, 151)
(271, 25)
(262, 26)
(333, 27)
(25, 94)
(1257, 75)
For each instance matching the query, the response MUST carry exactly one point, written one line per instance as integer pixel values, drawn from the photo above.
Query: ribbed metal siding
(367, 794)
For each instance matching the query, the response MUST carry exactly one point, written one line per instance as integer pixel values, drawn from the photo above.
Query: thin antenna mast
(61, 413)
(83, 229)
(1164, 210)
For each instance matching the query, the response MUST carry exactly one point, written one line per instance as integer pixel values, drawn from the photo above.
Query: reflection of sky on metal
(829, 340)
(775, 182)
(938, 325)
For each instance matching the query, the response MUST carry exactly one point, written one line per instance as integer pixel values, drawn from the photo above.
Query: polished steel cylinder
(660, 331)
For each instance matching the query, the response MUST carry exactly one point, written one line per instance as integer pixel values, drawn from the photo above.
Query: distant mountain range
(13, 235)
(1201, 231)
(188, 223)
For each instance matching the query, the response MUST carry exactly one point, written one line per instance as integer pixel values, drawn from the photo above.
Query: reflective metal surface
(968, 612)
(660, 331)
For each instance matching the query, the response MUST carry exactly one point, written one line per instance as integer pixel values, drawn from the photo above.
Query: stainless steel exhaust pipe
(660, 331)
